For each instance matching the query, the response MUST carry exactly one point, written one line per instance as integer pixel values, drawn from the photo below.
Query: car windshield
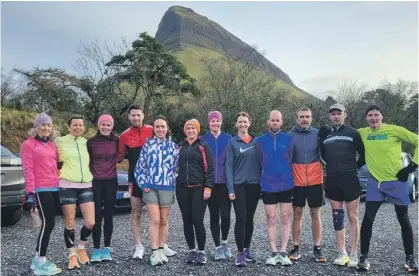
(5, 153)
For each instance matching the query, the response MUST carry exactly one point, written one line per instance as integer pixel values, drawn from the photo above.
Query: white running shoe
(353, 260)
(163, 256)
(139, 252)
(167, 251)
(155, 258)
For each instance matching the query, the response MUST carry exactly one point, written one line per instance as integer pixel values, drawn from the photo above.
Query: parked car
(12, 188)
(412, 180)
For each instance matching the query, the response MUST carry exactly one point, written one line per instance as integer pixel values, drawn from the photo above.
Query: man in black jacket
(339, 146)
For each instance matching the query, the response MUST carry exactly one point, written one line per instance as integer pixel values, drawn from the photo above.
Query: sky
(320, 45)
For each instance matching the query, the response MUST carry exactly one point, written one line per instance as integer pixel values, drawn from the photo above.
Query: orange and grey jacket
(306, 167)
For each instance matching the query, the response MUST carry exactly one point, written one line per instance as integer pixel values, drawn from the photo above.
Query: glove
(324, 131)
(403, 174)
(32, 200)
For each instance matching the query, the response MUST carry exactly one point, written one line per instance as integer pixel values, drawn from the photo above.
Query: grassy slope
(191, 56)
(15, 125)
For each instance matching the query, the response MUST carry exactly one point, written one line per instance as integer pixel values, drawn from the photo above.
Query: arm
(28, 168)
(209, 181)
(122, 150)
(259, 156)
(291, 151)
(360, 149)
(176, 159)
(410, 138)
(229, 168)
(141, 168)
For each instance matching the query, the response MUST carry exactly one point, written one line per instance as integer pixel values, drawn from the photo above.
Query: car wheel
(414, 195)
(11, 216)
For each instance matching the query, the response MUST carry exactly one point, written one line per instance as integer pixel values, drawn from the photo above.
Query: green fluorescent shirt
(383, 150)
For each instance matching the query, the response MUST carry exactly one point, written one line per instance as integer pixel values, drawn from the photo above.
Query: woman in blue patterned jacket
(155, 174)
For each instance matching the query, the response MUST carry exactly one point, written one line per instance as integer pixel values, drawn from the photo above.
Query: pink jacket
(39, 161)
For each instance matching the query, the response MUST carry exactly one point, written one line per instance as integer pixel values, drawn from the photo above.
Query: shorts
(278, 197)
(134, 190)
(396, 192)
(312, 194)
(162, 198)
(343, 187)
(76, 195)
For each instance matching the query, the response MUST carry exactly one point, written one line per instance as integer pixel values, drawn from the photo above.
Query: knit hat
(193, 122)
(103, 118)
(215, 115)
(42, 118)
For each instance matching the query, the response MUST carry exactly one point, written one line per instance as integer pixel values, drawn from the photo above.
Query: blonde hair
(35, 131)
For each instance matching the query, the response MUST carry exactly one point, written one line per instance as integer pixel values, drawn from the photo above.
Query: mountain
(191, 36)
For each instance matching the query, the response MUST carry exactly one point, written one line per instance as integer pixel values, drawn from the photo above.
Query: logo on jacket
(244, 150)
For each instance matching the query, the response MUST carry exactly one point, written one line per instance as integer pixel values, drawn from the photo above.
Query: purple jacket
(218, 148)
(103, 150)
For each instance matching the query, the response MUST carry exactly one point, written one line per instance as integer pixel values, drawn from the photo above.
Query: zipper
(305, 158)
(216, 157)
(274, 141)
(81, 168)
(187, 166)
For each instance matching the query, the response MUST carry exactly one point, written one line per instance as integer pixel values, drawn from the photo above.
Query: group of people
(218, 170)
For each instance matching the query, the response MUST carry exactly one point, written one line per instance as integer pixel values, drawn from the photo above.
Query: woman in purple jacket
(102, 150)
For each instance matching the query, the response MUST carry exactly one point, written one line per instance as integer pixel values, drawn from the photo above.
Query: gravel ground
(387, 254)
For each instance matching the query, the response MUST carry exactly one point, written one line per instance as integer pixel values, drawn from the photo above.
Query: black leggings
(104, 194)
(193, 206)
(47, 210)
(247, 199)
(371, 209)
(219, 202)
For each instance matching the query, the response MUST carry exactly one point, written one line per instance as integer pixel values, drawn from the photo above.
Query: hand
(130, 188)
(146, 190)
(32, 200)
(403, 174)
(232, 196)
(207, 193)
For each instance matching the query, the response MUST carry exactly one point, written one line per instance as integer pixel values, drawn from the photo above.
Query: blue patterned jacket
(157, 164)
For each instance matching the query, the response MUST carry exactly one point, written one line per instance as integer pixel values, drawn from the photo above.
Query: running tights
(47, 210)
(219, 203)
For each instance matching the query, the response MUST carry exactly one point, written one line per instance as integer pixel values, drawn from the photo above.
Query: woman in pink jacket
(39, 160)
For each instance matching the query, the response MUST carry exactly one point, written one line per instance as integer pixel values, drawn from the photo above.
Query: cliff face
(181, 26)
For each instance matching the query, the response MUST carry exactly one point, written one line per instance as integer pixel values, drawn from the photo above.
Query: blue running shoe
(96, 258)
(47, 268)
(105, 255)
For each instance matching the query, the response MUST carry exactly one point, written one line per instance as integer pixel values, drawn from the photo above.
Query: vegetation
(144, 72)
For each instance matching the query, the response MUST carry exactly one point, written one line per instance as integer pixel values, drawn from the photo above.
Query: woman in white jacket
(155, 174)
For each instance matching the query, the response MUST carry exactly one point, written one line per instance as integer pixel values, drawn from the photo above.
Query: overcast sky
(317, 44)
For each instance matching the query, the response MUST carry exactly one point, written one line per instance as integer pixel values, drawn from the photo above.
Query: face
(374, 119)
(76, 127)
(215, 125)
(44, 130)
(136, 117)
(243, 124)
(160, 128)
(337, 117)
(105, 128)
(191, 132)
(275, 121)
(304, 119)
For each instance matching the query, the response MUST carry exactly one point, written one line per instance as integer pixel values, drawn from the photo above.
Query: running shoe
(163, 257)
(318, 254)
(82, 256)
(226, 250)
(241, 259)
(411, 265)
(363, 263)
(47, 268)
(341, 260)
(284, 260)
(294, 254)
(105, 255)
(192, 255)
(139, 252)
(273, 259)
(168, 252)
(353, 260)
(72, 262)
(96, 256)
(250, 256)
(219, 254)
